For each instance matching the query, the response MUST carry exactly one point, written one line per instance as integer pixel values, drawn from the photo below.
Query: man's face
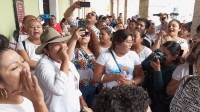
(91, 17)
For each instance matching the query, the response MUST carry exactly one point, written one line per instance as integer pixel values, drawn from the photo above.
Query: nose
(63, 44)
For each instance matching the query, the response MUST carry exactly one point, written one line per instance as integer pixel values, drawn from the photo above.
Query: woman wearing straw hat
(57, 76)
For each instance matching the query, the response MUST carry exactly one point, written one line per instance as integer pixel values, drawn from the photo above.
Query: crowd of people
(106, 66)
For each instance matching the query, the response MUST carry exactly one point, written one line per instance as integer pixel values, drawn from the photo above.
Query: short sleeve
(101, 59)
(74, 22)
(137, 59)
(20, 46)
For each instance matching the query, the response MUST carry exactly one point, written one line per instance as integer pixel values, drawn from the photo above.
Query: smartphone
(82, 24)
(84, 4)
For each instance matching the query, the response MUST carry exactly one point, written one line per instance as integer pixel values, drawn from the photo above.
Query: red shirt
(57, 27)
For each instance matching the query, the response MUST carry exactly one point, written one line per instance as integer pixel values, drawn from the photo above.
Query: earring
(4, 92)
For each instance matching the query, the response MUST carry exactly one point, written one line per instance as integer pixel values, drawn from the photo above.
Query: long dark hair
(174, 49)
(93, 43)
(119, 36)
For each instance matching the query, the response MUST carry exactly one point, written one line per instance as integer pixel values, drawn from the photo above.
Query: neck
(15, 99)
(120, 54)
(35, 41)
(151, 32)
(169, 64)
(105, 44)
(89, 24)
(84, 46)
(137, 48)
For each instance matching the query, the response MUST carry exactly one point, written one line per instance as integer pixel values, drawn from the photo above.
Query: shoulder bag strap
(191, 69)
(115, 60)
(84, 54)
(24, 44)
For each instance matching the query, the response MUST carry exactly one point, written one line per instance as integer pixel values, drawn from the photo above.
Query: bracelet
(102, 77)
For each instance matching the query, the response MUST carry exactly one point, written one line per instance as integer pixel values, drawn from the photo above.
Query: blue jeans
(88, 93)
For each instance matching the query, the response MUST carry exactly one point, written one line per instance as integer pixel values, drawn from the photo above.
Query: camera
(158, 55)
(46, 16)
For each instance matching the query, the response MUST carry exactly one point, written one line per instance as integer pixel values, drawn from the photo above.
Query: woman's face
(35, 30)
(141, 25)
(120, 27)
(184, 33)
(53, 49)
(125, 46)
(103, 36)
(85, 39)
(169, 57)
(53, 21)
(152, 27)
(132, 26)
(12, 65)
(136, 37)
(173, 28)
(63, 25)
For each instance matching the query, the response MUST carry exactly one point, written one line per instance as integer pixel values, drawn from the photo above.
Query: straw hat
(50, 36)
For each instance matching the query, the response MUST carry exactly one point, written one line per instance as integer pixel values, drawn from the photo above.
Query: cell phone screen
(84, 4)
(82, 24)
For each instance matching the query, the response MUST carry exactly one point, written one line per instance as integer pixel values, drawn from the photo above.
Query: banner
(18, 6)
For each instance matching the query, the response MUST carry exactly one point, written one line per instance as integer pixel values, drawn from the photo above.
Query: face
(46, 27)
(132, 26)
(85, 39)
(173, 28)
(28, 18)
(72, 29)
(103, 36)
(193, 41)
(11, 66)
(137, 38)
(107, 21)
(53, 21)
(53, 49)
(101, 25)
(120, 27)
(184, 33)
(141, 25)
(152, 26)
(120, 20)
(169, 57)
(35, 30)
(125, 46)
(91, 17)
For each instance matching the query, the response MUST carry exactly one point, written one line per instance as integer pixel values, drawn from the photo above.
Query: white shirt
(144, 53)
(61, 91)
(182, 71)
(30, 49)
(25, 106)
(126, 64)
(102, 49)
(13, 43)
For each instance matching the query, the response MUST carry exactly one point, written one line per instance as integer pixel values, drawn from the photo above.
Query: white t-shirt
(183, 43)
(182, 71)
(26, 106)
(126, 64)
(102, 49)
(30, 49)
(144, 53)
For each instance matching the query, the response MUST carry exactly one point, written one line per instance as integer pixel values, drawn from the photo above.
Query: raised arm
(70, 10)
(72, 43)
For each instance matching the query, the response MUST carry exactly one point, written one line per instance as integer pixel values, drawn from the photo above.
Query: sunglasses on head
(86, 34)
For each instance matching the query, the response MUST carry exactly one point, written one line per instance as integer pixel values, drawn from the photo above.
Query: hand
(155, 65)
(119, 78)
(31, 89)
(76, 4)
(62, 53)
(77, 34)
(128, 82)
(83, 103)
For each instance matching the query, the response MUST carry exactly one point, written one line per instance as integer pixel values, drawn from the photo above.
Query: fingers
(35, 81)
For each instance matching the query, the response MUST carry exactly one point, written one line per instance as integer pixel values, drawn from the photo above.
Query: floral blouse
(85, 67)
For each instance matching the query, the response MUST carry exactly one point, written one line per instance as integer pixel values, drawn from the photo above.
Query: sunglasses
(86, 34)
(192, 41)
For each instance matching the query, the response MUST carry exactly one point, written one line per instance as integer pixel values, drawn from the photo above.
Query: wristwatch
(133, 82)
